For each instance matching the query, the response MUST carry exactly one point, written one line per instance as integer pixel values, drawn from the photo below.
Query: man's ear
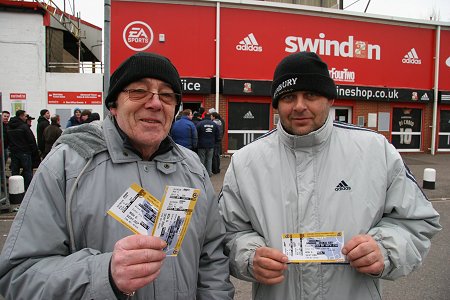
(331, 102)
(113, 111)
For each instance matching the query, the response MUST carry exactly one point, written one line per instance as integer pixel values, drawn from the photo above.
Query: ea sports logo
(138, 36)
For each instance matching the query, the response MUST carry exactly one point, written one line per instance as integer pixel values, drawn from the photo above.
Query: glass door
(406, 129)
(246, 122)
(444, 131)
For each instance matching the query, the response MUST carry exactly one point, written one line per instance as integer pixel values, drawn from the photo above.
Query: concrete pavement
(429, 282)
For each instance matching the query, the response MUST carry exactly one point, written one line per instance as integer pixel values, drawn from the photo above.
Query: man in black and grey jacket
(22, 146)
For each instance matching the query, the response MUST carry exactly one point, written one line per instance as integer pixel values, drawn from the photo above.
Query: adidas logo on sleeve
(342, 186)
(249, 43)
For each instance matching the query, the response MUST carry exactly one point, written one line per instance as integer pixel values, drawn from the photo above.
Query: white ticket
(174, 216)
(318, 247)
(142, 213)
(136, 209)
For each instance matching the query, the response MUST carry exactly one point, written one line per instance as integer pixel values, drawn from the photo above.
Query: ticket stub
(136, 209)
(168, 219)
(314, 247)
(174, 216)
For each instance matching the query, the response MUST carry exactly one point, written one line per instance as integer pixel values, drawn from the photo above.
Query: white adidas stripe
(249, 40)
(253, 39)
(412, 54)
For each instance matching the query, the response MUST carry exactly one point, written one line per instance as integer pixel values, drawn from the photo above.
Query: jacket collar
(312, 139)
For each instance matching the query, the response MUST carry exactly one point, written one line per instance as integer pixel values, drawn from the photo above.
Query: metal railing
(82, 67)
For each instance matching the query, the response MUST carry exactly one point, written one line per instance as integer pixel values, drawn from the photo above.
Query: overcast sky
(92, 10)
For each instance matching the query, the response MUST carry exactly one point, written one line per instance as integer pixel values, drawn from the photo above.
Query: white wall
(22, 60)
(22, 68)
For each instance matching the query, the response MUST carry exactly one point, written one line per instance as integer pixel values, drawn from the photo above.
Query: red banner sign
(444, 70)
(17, 96)
(365, 52)
(88, 98)
(183, 33)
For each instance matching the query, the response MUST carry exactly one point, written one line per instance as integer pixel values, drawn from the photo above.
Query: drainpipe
(436, 90)
(107, 52)
(217, 55)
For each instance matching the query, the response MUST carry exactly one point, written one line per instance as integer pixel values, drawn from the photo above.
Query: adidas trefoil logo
(249, 43)
(342, 186)
(412, 58)
(249, 115)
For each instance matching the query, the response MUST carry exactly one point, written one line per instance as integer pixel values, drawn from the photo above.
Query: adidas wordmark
(342, 186)
(412, 58)
(249, 43)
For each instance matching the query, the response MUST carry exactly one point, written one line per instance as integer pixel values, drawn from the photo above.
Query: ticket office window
(406, 129)
(444, 130)
(341, 114)
(246, 122)
(193, 105)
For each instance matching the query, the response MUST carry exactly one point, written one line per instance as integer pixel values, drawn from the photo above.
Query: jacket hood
(86, 139)
(15, 122)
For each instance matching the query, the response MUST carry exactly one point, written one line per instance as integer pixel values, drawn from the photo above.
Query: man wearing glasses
(63, 245)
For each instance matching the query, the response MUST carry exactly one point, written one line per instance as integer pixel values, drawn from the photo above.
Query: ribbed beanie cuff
(143, 65)
(302, 71)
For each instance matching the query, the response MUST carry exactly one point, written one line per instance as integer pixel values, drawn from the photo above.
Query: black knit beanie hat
(302, 71)
(143, 65)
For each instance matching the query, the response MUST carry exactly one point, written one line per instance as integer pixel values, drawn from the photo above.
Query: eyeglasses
(141, 96)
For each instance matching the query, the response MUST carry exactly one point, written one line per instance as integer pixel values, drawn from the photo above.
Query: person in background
(215, 117)
(196, 118)
(43, 122)
(29, 120)
(208, 134)
(313, 175)
(202, 112)
(51, 134)
(36, 155)
(83, 253)
(183, 131)
(85, 114)
(75, 120)
(22, 146)
(93, 117)
(5, 120)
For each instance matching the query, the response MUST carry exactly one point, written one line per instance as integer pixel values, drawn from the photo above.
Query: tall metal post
(217, 56)
(436, 87)
(107, 52)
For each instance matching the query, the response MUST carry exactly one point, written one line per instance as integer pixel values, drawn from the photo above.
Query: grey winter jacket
(292, 184)
(36, 261)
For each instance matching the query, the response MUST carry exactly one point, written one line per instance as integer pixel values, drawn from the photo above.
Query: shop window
(246, 122)
(383, 121)
(406, 128)
(444, 130)
(361, 121)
